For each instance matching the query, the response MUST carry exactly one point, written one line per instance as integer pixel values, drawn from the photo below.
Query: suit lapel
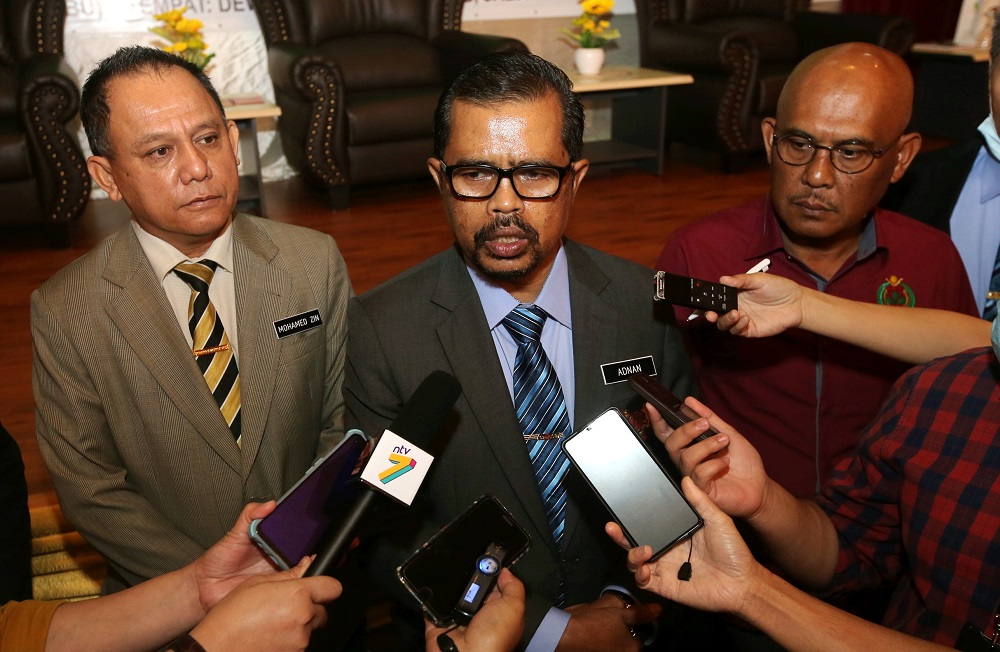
(139, 309)
(261, 299)
(594, 343)
(468, 344)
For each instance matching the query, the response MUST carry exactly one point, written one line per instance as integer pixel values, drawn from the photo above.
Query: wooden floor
(386, 230)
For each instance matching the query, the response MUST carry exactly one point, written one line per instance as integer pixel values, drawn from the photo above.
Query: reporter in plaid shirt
(917, 507)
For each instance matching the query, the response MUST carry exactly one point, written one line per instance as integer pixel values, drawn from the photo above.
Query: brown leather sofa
(43, 175)
(357, 82)
(740, 52)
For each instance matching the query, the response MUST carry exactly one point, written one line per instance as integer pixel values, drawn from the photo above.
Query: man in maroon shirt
(838, 140)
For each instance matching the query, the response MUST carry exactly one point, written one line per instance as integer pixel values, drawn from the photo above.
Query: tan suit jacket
(143, 461)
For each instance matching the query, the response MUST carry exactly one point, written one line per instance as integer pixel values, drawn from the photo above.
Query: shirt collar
(163, 256)
(769, 240)
(553, 299)
(987, 168)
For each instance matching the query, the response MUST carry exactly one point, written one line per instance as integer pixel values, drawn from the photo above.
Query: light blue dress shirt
(975, 220)
(557, 333)
(557, 342)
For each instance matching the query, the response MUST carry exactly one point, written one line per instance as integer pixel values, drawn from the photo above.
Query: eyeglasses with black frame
(849, 157)
(481, 181)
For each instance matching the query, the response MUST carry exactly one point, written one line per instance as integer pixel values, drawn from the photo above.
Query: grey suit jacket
(141, 457)
(430, 317)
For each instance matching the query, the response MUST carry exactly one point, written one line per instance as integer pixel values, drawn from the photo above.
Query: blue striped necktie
(541, 410)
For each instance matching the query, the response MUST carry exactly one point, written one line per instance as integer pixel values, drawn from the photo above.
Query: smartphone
(321, 497)
(452, 574)
(631, 483)
(671, 408)
(694, 292)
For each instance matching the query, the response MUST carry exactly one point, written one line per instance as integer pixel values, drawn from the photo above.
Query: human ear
(99, 168)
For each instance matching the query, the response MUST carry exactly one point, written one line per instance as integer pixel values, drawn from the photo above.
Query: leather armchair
(43, 175)
(357, 82)
(740, 53)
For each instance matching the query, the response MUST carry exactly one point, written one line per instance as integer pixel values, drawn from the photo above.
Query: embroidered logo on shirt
(895, 293)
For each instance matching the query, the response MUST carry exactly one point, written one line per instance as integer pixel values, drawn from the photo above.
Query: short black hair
(512, 77)
(130, 60)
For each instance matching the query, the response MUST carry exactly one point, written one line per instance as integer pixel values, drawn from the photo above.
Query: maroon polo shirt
(800, 398)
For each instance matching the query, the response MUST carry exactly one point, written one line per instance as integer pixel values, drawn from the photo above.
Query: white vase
(589, 61)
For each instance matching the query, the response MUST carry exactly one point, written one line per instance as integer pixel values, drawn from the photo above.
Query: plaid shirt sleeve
(861, 498)
(919, 504)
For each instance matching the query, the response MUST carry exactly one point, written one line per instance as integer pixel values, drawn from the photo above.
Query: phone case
(438, 572)
(671, 408)
(305, 511)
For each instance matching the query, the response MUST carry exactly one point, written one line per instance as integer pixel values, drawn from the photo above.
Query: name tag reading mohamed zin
(297, 323)
(618, 372)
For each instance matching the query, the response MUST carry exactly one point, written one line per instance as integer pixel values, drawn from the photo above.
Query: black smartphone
(694, 292)
(636, 489)
(671, 408)
(452, 574)
(321, 497)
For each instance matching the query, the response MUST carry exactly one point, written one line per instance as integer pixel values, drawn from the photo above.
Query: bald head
(852, 74)
(841, 105)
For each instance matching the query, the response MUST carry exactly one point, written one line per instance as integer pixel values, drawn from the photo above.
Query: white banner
(115, 15)
(511, 9)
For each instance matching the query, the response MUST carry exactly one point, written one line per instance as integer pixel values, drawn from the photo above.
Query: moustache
(813, 198)
(488, 230)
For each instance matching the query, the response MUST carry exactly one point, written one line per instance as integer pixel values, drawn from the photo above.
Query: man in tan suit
(156, 438)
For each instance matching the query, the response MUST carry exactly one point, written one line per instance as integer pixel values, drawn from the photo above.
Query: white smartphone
(642, 498)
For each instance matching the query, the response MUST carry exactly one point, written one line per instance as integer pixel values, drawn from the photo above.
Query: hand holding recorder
(496, 627)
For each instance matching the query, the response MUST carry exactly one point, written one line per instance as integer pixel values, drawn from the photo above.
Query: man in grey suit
(149, 462)
(508, 163)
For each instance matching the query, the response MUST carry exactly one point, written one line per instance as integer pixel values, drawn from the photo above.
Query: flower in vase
(183, 36)
(592, 29)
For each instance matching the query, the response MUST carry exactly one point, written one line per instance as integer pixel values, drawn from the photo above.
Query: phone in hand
(671, 408)
(321, 497)
(452, 574)
(642, 498)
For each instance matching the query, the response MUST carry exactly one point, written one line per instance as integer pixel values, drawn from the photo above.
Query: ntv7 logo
(400, 464)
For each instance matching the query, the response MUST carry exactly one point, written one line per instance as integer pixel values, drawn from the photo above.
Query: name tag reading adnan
(618, 372)
(297, 323)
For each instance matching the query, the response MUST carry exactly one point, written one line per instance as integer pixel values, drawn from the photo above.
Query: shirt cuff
(620, 589)
(549, 631)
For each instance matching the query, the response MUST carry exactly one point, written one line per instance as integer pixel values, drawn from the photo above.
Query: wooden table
(245, 110)
(638, 104)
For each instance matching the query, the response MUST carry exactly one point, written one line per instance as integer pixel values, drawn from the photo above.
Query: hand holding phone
(453, 573)
(672, 409)
(640, 495)
(321, 497)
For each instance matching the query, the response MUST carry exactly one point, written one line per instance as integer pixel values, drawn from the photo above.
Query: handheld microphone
(419, 421)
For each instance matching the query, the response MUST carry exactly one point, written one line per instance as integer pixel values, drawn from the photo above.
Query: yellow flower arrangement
(593, 27)
(184, 36)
